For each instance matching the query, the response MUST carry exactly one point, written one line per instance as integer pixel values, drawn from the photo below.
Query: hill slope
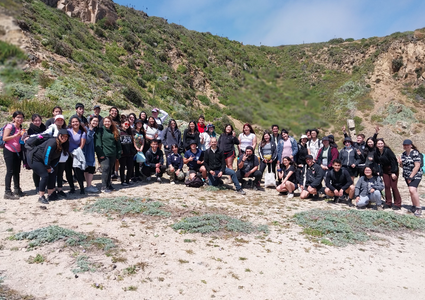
(117, 55)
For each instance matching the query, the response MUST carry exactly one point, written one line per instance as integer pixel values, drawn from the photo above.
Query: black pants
(148, 171)
(78, 173)
(257, 176)
(13, 169)
(271, 167)
(59, 174)
(137, 169)
(36, 179)
(46, 178)
(108, 168)
(126, 162)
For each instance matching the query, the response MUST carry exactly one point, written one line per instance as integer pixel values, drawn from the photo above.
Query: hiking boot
(43, 200)
(111, 188)
(316, 197)
(395, 207)
(148, 179)
(386, 206)
(290, 195)
(130, 183)
(418, 212)
(124, 184)
(350, 202)
(82, 191)
(19, 193)
(71, 191)
(61, 194)
(9, 195)
(335, 200)
(53, 197)
(241, 191)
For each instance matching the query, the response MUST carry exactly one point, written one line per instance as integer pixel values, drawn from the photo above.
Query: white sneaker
(172, 182)
(290, 195)
(92, 189)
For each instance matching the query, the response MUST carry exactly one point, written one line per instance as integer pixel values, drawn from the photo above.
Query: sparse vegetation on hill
(140, 61)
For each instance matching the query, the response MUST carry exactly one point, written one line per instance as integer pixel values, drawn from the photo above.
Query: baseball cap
(155, 109)
(63, 131)
(407, 142)
(309, 157)
(304, 136)
(59, 117)
(96, 106)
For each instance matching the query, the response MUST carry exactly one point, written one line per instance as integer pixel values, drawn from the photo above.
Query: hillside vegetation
(139, 62)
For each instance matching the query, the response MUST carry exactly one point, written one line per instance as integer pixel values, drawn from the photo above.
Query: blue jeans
(214, 180)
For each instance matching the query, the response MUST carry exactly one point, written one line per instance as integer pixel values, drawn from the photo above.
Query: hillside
(112, 54)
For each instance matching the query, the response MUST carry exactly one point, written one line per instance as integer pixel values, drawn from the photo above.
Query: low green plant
(8, 51)
(84, 265)
(127, 205)
(38, 259)
(340, 228)
(216, 222)
(33, 106)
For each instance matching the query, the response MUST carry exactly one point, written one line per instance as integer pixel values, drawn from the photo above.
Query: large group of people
(143, 148)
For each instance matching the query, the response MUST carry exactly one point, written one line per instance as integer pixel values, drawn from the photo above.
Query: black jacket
(46, 153)
(386, 159)
(338, 180)
(188, 137)
(176, 160)
(153, 158)
(274, 151)
(214, 161)
(227, 142)
(311, 176)
(302, 153)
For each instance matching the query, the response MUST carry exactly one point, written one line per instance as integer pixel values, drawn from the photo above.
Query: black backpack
(195, 182)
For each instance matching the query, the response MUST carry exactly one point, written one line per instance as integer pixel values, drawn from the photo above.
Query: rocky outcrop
(90, 11)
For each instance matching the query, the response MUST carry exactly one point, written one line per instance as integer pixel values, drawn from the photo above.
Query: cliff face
(90, 11)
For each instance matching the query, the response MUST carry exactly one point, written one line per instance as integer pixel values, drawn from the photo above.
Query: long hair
(263, 141)
(113, 128)
(291, 162)
(79, 127)
(64, 148)
(382, 140)
(140, 130)
(225, 126)
(155, 125)
(195, 128)
(250, 128)
(169, 126)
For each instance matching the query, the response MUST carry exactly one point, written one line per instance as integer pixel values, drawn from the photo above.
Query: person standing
(412, 161)
(388, 169)
(108, 150)
(96, 113)
(247, 138)
(127, 156)
(287, 146)
(77, 140)
(12, 156)
(89, 154)
(172, 136)
(227, 142)
(79, 113)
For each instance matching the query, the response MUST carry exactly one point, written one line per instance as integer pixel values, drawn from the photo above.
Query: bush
(204, 100)
(133, 95)
(420, 91)
(44, 80)
(397, 64)
(340, 228)
(336, 41)
(33, 106)
(8, 51)
(215, 222)
(182, 69)
(141, 82)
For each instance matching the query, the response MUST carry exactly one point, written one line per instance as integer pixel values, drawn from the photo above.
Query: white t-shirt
(246, 140)
(207, 140)
(151, 131)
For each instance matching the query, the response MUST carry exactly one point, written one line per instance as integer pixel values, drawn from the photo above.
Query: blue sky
(273, 23)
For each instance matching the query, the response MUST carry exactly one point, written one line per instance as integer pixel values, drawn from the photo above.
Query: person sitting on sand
(154, 163)
(368, 189)
(248, 167)
(194, 158)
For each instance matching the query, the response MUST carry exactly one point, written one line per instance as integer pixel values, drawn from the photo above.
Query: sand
(284, 264)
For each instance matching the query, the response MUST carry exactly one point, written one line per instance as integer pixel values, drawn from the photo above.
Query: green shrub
(84, 265)
(182, 69)
(21, 90)
(340, 228)
(141, 82)
(204, 100)
(33, 106)
(127, 205)
(420, 91)
(215, 222)
(397, 64)
(336, 41)
(349, 40)
(44, 80)
(133, 95)
(8, 51)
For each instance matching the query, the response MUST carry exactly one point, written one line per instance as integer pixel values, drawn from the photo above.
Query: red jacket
(334, 155)
(201, 128)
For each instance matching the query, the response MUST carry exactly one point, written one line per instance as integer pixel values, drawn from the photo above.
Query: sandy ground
(281, 265)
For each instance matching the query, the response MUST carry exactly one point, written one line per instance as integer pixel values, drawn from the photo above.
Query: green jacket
(106, 145)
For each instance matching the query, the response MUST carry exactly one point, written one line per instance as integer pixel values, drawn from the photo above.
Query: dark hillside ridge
(121, 56)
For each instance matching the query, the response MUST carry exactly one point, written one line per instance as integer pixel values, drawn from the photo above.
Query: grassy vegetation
(215, 222)
(129, 63)
(339, 228)
(127, 205)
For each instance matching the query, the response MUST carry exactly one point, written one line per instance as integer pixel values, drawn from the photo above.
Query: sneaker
(379, 207)
(361, 207)
(9, 195)
(61, 194)
(159, 180)
(43, 200)
(106, 191)
(114, 177)
(395, 207)
(386, 206)
(82, 192)
(172, 182)
(290, 195)
(418, 212)
(316, 197)
(148, 178)
(257, 186)
(350, 203)
(124, 184)
(130, 183)
(53, 197)
(71, 191)
(111, 188)
(92, 189)
(241, 191)
(19, 193)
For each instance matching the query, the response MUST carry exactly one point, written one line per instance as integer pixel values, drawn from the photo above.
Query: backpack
(195, 182)
(3, 143)
(31, 147)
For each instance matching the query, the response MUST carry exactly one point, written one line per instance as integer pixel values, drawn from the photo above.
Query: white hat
(304, 136)
(59, 117)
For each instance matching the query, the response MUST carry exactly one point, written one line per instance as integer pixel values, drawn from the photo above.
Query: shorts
(90, 170)
(229, 154)
(414, 183)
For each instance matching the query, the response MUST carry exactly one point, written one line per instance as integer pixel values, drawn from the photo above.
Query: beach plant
(216, 222)
(127, 205)
(84, 265)
(340, 228)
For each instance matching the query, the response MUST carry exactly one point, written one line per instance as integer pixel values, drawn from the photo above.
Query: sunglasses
(126, 124)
